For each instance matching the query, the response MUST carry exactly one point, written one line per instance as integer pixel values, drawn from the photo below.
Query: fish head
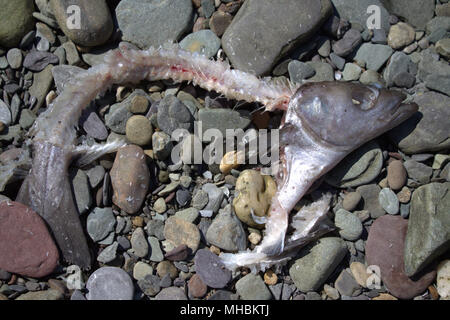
(346, 115)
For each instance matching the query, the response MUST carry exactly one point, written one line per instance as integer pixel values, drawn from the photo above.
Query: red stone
(26, 246)
(385, 248)
(197, 288)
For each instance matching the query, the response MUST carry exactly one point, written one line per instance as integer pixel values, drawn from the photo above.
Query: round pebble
(389, 201)
(351, 201)
(396, 175)
(15, 58)
(139, 130)
(350, 226)
(160, 205)
(139, 104)
(110, 283)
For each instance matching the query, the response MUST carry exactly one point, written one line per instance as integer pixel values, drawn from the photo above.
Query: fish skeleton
(323, 122)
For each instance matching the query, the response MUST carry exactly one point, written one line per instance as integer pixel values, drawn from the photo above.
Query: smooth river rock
(256, 39)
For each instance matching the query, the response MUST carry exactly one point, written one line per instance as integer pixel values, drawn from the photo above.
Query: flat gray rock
(256, 39)
(355, 11)
(374, 55)
(415, 12)
(434, 73)
(360, 167)
(226, 231)
(425, 131)
(163, 20)
(428, 234)
(252, 287)
(100, 223)
(316, 263)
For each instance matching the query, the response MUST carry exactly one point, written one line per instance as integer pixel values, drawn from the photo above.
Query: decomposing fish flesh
(323, 122)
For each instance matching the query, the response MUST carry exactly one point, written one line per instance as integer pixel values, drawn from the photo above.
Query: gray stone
(351, 72)
(81, 190)
(324, 71)
(424, 131)
(156, 253)
(256, 40)
(164, 21)
(95, 175)
(150, 285)
(139, 244)
(62, 75)
(119, 113)
(110, 283)
(370, 194)
(434, 73)
(189, 214)
(398, 64)
(100, 222)
(252, 287)
(348, 224)
(316, 263)
(204, 41)
(27, 118)
(208, 8)
(171, 293)
(215, 196)
(337, 61)
(173, 114)
(109, 253)
(211, 269)
(222, 119)
(428, 234)
(95, 127)
(16, 21)
(415, 12)
(200, 199)
(15, 58)
(360, 167)
(355, 11)
(42, 82)
(346, 284)
(38, 60)
(379, 36)
(417, 171)
(374, 55)
(141, 270)
(349, 42)
(389, 201)
(97, 23)
(298, 71)
(226, 231)
(5, 113)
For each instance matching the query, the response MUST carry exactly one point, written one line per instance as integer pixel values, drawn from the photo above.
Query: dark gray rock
(222, 119)
(163, 21)
(360, 167)
(100, 223)
(399, 63)
(424, 131)
(374, 55)
(415, 12)
(256, 40)
(226, 231)
(211, 269)
(351, 40)
(355, 11)
(417, 171)
(94, 126)
(37, 60)
(370, 194)
(346, 284)
(298, 71)
(434, 73)
(173, 114)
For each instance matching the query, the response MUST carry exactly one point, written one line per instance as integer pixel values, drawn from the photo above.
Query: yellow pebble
(214, 250)
(270, 278)
(385, 296)
(231, 160)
